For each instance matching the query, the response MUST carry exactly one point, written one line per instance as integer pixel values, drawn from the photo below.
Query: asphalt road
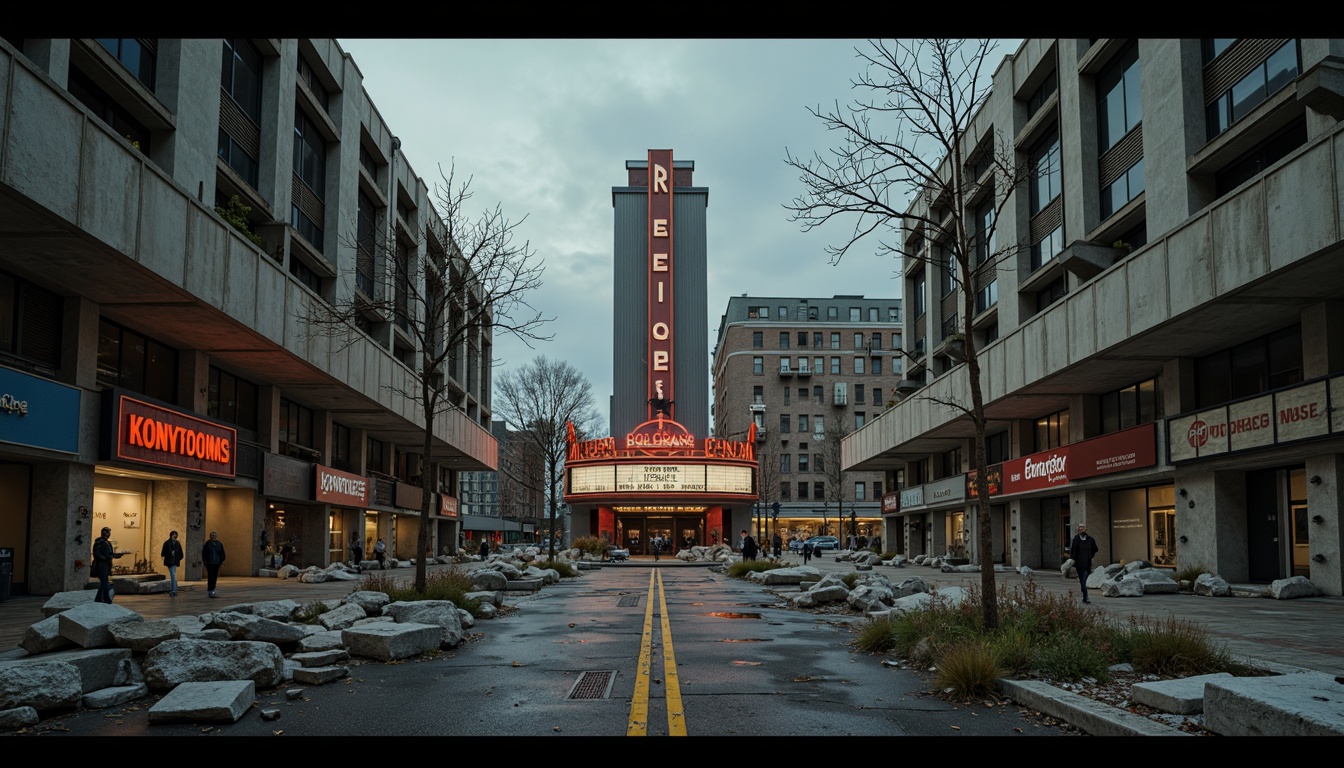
(745, 666)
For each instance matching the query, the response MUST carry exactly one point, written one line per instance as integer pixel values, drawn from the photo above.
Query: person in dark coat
(356, 551)
(1082, 549)
(749, 548)
(778, 543)
(172, 555)
(807, 551)
(212, 556)
(103, 555)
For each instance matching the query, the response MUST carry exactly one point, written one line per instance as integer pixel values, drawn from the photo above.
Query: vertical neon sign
(660, 359)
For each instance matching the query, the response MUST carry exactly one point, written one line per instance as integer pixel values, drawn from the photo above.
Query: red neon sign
(660, 283)
(153, 435)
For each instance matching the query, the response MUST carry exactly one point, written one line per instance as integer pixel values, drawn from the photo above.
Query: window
(296, 424)
(366, 227)
(1051, 293)
(876, 342)
(758, 313)
(342, 454)
(996, 448)
(758, 394)
(105, 108)
(877, 489)
(893, 315)
(818, 365)
(30, 323)
(858, 393)
(1046, 172)
(877, 396)
(373, 457)
(1122, 190)
(802, 339)
(1260, 365)
(784, 423)
(756, 341)
(819, 490)
(1052, 431)
(1136, 404)
(786, 395)
(858, 365)
(985, 241)
(950, 463)
(802, 394)
(802, 422)
(1266, 79)
(783, 339)
(1047, 247)
(818, 425)
(308, 77)
(835, 341)
(948, 275)
(818, 462)
(232, 399)
(136, 362)
(758, 365)
(872, 314)
(137, 55)
(785, 463)
(987, 296)
(835, 365)
(240, 80)
(1042, 94)
(859, 419)
(310, 167)
(919, 289)
(1261, 156)
(858, 340)
(1118, 109)
(860, 490)
(802, 490)
(853, 314)
(785, 365)
(832, 313)
(785, 491)
(818, 397)
(802, 463)
(783, 313)
(401, 295)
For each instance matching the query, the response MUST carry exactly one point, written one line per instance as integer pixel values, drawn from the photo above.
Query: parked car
(824, 542)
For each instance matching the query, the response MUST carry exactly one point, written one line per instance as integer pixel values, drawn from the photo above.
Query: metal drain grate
(629, 601)
(593, 685)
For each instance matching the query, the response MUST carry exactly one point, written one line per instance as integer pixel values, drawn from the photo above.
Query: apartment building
(1162, 348)
(174, 217)
(507, 505)
(806, 372)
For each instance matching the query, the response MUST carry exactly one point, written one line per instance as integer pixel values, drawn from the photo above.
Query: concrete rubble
(208, 667)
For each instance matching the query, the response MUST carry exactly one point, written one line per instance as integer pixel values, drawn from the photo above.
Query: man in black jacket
(103, 555)
(212, 555)
(1082, 549)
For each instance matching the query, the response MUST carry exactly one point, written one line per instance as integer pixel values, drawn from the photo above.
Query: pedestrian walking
(749, 548)
(212, 555)
(103, 555)
(1082, 549)
(778, 543)
(172, 555)
(657, 545)
(807, 551)
(356, 551)
(380, 554)
(485, 547)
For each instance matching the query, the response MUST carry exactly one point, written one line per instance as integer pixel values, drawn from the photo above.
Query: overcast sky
(545, 128)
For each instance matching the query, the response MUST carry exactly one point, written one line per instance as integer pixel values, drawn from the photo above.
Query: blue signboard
(38, 412)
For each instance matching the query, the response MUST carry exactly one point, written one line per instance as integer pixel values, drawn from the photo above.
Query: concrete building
(1163, 350)
(173, 216)
(508, 504)
(806, 372)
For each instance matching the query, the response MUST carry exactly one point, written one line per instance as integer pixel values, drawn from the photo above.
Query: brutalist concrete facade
(116, 271)
(1181, 284)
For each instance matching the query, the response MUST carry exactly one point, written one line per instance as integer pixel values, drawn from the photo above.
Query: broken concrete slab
(64, 601)
(111, 697)
(86, 625)
(42, 685)
(184, 660)
(217, 701)
(1304, 704)
(320, 658)
(45, 636)
(387, 641)
(98, 667)
(1184, 696)
(140, 636)
(319, 675)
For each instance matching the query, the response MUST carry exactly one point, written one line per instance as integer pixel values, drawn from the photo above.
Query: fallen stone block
(19, 717)
(387, 641)
(175, 662)
(111, 697)
(372, 602)
(270, 714)
(1126, 586)
(321, 641)
(320, 658)
(242, 626)
(441, 613)
(42, 685)
(140, 636)
(216, 701)
(64, 601)
(1305, 704)
(344, 616)
(86, 625)
(319, 675)
(523, 585)
(98, 667)
(1292, 587)
(45, 636)
(1184, 696)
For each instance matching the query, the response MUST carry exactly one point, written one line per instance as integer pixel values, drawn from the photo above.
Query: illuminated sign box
(147, 433)
(662, 477)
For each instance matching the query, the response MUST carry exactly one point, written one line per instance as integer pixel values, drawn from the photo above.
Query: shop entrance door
(1273, 498)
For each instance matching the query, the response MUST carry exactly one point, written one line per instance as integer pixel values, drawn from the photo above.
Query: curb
(1089, 716)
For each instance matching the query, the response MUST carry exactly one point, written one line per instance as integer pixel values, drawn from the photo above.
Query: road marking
(676, 715)
(639, 704)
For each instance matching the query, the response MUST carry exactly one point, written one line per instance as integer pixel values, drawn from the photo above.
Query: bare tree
(911, 135)
(467, 277)
(540, 400)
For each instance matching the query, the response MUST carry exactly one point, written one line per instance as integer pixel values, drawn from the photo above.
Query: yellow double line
(639, 705)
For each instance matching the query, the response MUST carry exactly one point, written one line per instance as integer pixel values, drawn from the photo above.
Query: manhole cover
(629, 601)
(592, 685)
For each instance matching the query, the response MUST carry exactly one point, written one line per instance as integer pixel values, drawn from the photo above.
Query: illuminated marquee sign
(662, 477)
(660, 282)
(151, 434)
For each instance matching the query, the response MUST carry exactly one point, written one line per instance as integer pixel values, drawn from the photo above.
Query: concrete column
(268, 417)
(193, 381)
(1178, 386)
(1213, 532)
(1322, 339)
(1325, 538)
(59, 534)
(1026, 532)
(168, 507)
(52, 56)
(1093, 509)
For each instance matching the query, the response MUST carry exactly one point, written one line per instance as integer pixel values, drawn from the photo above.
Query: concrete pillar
(59, 534)
(1026, 545)
(1325, 539)
(1322, 339)
(1093, 509)
(193, 381)
(1212, 533)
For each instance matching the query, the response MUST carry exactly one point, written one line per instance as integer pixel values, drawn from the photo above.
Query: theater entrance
(635, 531)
